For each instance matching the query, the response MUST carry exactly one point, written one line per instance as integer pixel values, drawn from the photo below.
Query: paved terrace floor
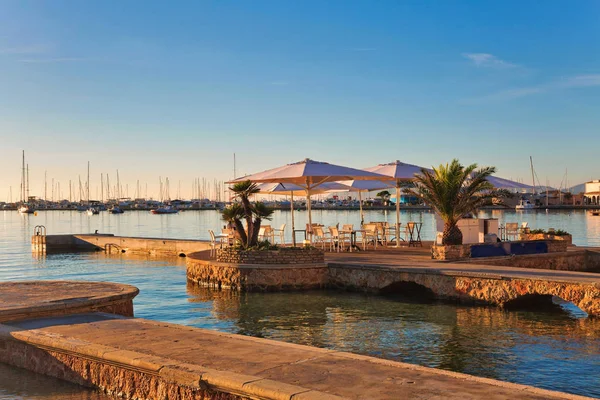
(418, 259)
(319, 373)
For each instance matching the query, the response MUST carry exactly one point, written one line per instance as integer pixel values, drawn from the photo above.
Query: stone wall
(546, 236)
(256, 277)
(466, 251)
(457, 252)
(485, 289)
(119, 373)
(584, 261)
(115, 244)
(283, 256)
(123, 307)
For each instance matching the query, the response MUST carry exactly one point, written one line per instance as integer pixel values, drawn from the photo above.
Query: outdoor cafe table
(414, 233)
(352, 234)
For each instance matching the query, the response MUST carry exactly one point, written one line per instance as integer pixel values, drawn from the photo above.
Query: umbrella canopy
(297, 190)
(309, 174)
(365, 186)
(292, 190)
(400, 172)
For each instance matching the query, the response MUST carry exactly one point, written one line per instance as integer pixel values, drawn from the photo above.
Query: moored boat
(26, 209)
(93, 211)
(116, 210)
(524, 205)
(165, 210)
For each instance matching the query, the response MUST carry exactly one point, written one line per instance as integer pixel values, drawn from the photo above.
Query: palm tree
(233, 215)
(252, 213)
(243, 191)
(384, 196)
(454, 191)
(260, 212)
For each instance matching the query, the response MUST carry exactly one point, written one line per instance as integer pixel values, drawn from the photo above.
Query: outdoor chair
(338, 238)
(319, 237)
(348, 228)
(266, 233)
(511, 230)
(388, 233)
(369, 235)
(214, 240)
(281, 233)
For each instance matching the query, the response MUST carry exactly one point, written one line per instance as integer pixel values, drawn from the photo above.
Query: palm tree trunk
(451, 235)
(256, 226)
(240, 232)
(248, 216)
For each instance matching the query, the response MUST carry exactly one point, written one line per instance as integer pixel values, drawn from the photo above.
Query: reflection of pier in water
(458, 338)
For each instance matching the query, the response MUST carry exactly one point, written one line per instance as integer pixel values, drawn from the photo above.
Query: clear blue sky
(175, 88)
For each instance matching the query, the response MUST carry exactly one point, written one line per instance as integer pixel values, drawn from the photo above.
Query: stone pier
(466, 282)
(115, 244)
(140, 359)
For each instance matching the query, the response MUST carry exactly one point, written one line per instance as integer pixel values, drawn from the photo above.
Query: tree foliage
(252, 214)
(455, 191)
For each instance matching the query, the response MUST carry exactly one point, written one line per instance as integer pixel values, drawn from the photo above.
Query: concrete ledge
(225, 366)
(255, 277)
(116, 244)
(35, 299)
(575, 260)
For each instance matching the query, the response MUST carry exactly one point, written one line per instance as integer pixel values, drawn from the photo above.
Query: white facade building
(592, 192)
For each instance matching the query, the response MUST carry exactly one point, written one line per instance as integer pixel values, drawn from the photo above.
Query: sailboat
(165, 210)
(25, 207)
(116, 210)
(525, 204)
(91, 209)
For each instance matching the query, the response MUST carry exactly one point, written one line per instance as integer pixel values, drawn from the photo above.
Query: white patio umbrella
(289, 189)
(309, 174)
(400, 172)
(365, 186)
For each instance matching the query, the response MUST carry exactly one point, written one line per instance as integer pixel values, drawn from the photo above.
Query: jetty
(411, 269)
(501, 281)
(85, 333)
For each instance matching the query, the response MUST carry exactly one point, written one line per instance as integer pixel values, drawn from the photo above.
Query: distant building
(592, 192)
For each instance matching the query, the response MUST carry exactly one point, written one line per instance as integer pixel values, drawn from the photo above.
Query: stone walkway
(264, 368)
(419, 260)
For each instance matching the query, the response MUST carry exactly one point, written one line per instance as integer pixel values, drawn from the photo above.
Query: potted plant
(455, 191)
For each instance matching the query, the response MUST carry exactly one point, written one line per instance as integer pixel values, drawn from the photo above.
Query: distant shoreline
(347, 208)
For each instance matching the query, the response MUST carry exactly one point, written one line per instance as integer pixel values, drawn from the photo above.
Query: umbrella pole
(309, 209)
(362, 218)
(398, 215)
(293, 227)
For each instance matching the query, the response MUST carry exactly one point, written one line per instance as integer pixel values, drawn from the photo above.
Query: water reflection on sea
(20, 384)
(518, 346)
(556, 349)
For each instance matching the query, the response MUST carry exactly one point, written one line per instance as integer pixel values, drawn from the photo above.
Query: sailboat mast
(88, 183)
(532, 174)
(27, 198)
(23, 178)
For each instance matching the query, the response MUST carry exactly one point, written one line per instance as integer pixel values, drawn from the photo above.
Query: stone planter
(283, 256)
(449, 253)
(547, 236)
(260, 270)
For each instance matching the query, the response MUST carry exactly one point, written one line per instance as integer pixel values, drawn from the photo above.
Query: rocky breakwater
(259, 270)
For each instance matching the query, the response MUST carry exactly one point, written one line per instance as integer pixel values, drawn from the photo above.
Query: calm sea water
(557, 349)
